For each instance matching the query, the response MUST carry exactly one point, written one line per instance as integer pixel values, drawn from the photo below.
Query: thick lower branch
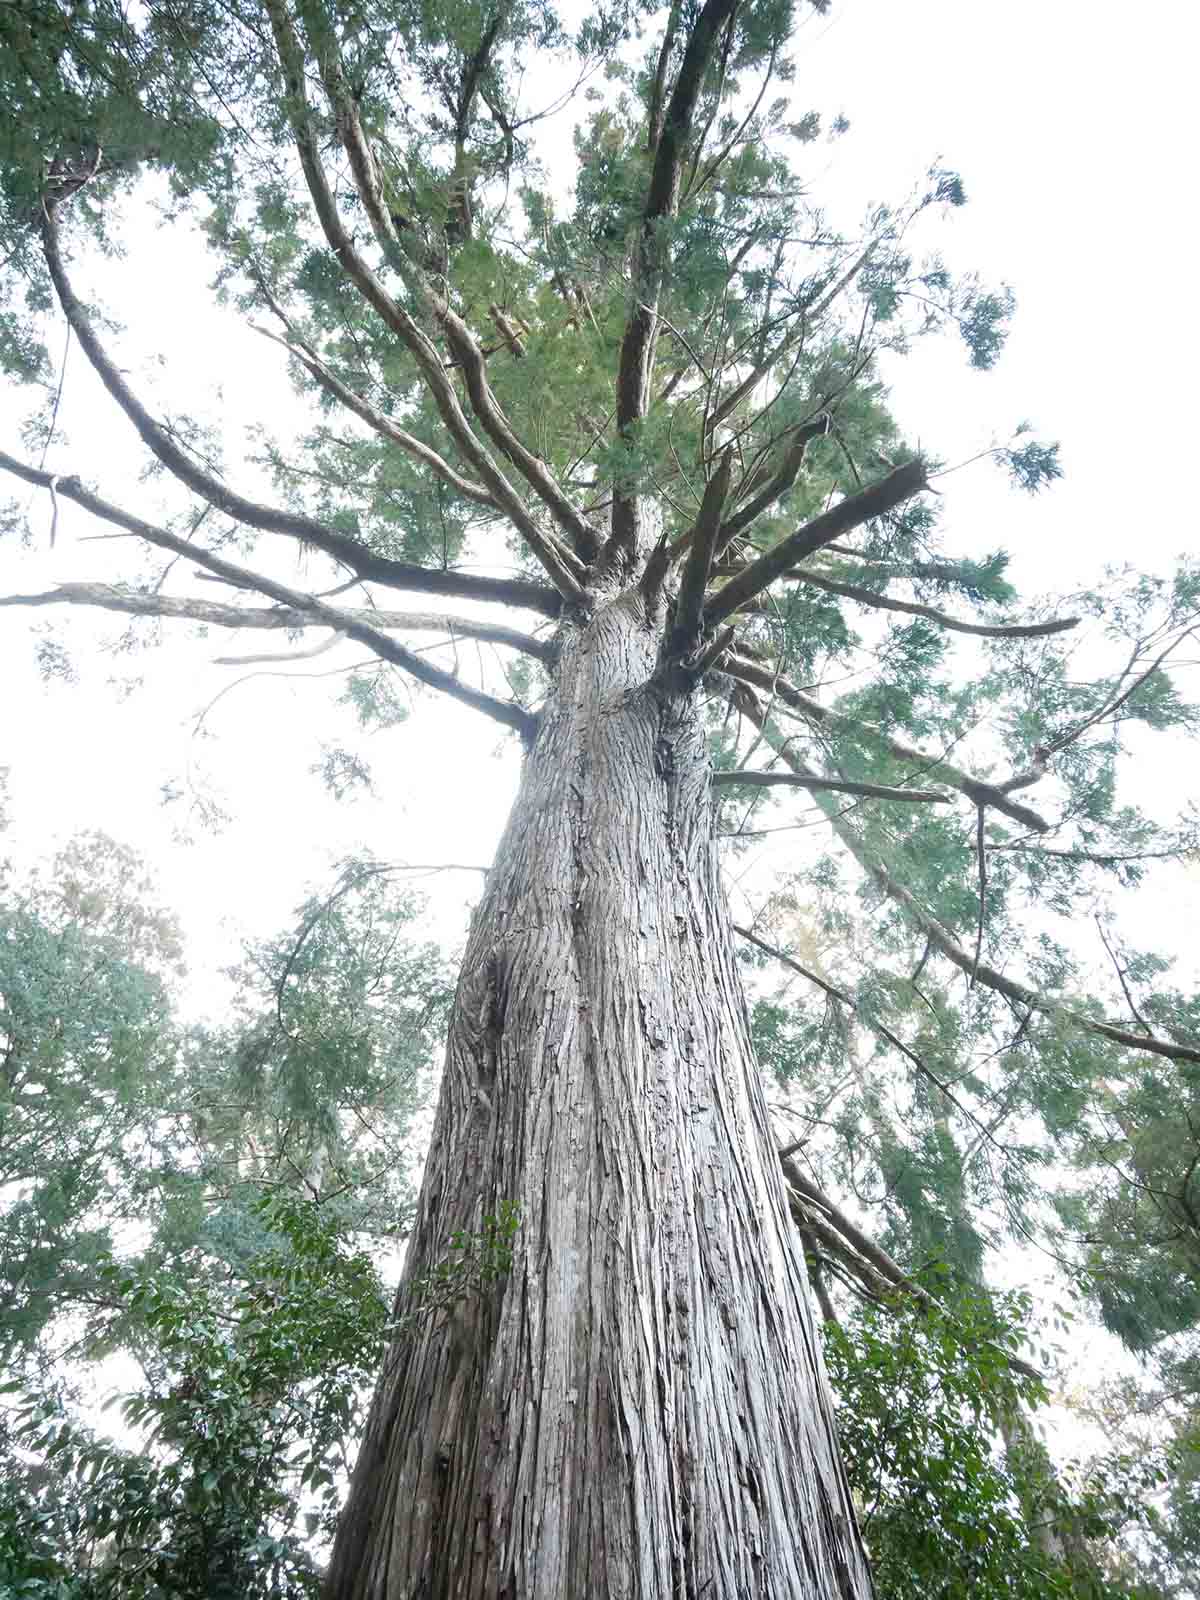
(503, 711)
(213, 614)
(269, 519)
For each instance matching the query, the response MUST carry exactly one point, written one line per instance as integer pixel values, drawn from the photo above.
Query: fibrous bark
(638, 1406)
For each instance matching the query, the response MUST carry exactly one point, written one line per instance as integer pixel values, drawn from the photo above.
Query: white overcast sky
(1073, 127)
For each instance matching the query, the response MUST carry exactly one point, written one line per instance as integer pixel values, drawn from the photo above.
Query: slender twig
(1120, 972)
(981, 853)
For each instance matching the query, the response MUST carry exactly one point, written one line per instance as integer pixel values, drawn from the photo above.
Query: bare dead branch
(874, 501)
(213, 614)
(816, 1276)
(888, 1268)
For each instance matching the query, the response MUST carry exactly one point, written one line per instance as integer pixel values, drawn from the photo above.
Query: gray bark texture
(638, 1406)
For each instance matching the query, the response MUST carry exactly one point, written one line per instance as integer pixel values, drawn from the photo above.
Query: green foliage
(255, 1384)
(87, 1071)
(923, 1401)
(1033, 466)
(199, 1200)
(473, 1262)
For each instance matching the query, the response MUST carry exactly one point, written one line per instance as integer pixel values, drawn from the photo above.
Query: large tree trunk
(638, 1407)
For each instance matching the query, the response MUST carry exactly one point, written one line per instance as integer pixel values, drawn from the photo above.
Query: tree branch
(778, 485)
(291, 59)
(463, 344)
(812, 711)
(636, 359)
(689, 605)
(1121, 978)
(942, 940)
(269, 519)
(503, 711)
(213, 614)
(1115, 701)
(833, 1227)
(332, 384)
(759, 371)
(658, 92)
(852, 1005)
(910, 608)
(877, 791)
(874, 501)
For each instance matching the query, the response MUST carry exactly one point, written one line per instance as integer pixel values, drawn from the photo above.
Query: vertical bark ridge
(638, 1408)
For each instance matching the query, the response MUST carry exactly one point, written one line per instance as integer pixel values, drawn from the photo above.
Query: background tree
(198, 1202)
(716, 524)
